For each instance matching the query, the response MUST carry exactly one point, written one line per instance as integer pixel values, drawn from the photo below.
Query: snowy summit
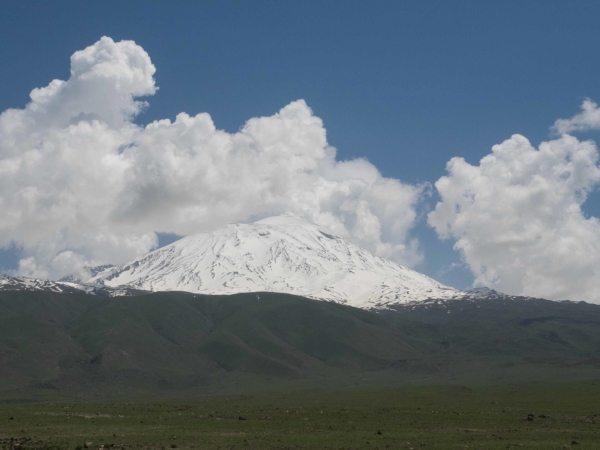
(279, 254)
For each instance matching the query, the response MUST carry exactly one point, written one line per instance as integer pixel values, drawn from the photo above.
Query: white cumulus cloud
(517, 219)
(81, 184)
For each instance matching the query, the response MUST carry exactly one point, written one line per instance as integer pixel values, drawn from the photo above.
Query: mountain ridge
(67, 285)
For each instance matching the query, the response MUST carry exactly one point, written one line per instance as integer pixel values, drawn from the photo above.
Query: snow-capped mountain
(10, 283)
(279, 254)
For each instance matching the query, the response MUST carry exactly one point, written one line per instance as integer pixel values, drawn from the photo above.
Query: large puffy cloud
(517, 217)
(80, 184)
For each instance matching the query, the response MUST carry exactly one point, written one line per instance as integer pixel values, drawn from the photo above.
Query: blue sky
(406, 84)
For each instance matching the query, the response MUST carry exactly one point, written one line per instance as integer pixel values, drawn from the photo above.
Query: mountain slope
(280, 254)
(176, 340)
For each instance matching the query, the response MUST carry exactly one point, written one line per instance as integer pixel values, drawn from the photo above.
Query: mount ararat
(282, 254)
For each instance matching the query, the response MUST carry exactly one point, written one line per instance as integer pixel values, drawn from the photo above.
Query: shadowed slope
(179, 341)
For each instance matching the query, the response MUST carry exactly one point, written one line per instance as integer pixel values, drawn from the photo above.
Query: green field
(424, 417)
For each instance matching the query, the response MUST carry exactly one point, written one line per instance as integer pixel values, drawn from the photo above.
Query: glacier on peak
(278, 254)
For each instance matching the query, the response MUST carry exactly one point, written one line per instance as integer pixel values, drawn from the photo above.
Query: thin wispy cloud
(587, 119)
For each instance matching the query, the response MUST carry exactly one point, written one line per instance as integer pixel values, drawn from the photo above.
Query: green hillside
(53, 344)
(506, 331)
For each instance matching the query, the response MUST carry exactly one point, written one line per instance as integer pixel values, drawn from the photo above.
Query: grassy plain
(419, 417)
